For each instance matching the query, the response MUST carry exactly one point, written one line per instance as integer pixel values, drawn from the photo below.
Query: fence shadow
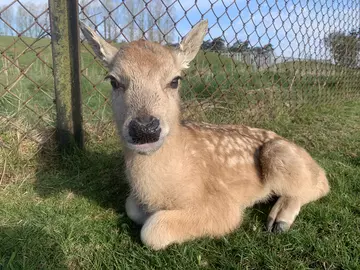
(96, 175)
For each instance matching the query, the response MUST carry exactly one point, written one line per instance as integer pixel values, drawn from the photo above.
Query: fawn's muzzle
(144, 129)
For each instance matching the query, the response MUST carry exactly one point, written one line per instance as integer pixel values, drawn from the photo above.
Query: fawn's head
(145, 78)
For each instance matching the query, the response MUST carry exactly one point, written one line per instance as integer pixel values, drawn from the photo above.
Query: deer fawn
(193, 180)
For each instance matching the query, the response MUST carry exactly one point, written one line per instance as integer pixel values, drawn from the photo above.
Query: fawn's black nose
(144, 129)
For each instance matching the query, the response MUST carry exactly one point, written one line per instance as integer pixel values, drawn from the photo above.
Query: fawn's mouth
(145, 148)
(143, 140)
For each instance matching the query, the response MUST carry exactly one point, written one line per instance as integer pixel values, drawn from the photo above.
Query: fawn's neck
(153, 176)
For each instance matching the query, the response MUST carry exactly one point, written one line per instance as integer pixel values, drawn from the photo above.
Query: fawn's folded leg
(176, 226)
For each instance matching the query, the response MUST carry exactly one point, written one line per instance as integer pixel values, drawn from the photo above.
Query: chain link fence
(259, 58)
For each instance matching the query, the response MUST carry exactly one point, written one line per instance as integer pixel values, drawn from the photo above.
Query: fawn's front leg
(176, 226)
(135, 211)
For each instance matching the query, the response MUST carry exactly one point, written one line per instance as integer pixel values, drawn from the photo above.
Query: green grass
(68, 212)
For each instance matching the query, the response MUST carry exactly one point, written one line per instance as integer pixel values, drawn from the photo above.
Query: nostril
(153, 124)
(148, 122)
(145, 119)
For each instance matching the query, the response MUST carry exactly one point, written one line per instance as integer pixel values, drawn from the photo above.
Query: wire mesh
(258, 58)
(26, 84)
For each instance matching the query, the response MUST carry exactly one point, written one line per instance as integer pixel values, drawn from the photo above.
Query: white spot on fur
(209, 145)
(239, 142)
(232, 161)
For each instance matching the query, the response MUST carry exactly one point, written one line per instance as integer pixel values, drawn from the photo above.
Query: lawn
(67, 212)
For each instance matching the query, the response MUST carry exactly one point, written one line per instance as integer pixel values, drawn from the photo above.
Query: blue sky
(295, 27)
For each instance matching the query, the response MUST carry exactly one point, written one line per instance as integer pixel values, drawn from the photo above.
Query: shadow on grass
(261, 211)
(28, 247)
(96, 175)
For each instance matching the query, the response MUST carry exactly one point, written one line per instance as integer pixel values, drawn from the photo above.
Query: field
(67, 212)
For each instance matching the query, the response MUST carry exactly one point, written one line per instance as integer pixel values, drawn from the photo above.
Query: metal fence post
(65, 54)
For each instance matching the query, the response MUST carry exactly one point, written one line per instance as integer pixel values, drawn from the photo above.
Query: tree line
(132, 19)
(218, 44)
(344, 47)
(20, 19)
(117, 21)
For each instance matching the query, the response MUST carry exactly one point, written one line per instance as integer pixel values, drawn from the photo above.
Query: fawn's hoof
(280, 226)
(277, 226)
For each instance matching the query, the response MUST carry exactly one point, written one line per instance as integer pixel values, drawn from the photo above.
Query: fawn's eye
(115, 83)
(175, 82)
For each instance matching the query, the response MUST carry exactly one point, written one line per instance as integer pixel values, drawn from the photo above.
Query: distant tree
(355, 33)
(169, 19)
(44, 19)
(153, 20)
(160, 21)
(131, 9)
(345, 48)
(39, 23)
(140, 19)
(110, 12)
(22, 20)
(8, 17)
(158, 10)
(150, 23)
(218, 44)
(257, 50)
(268, 48)
(240, 46)
(84, 10)
(206, 45)
(135, 19)
(28, 19)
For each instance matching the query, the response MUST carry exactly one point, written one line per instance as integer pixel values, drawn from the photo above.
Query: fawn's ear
(102, 49)
(192, 42)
